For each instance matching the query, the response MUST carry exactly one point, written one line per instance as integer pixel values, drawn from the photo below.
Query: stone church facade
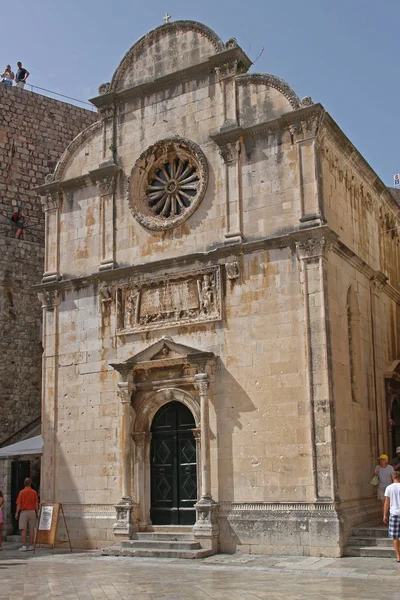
(220, 309)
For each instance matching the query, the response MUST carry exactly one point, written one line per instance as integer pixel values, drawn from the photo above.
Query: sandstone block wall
(34, 131)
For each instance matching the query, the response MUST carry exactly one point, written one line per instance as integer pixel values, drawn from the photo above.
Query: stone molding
(73, 147)
(275, 82)
(308, 116)
(49, 299)
(150, 37)
(286, 507)
(145, 168)
(220, 254)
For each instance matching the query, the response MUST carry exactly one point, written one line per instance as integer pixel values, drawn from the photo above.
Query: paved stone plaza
(87, 576)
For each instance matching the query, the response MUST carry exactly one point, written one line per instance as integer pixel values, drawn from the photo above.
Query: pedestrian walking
(391, 513)
(384, 472)
(27, 512)
(8, 76)
(1, 519)
(21, 76)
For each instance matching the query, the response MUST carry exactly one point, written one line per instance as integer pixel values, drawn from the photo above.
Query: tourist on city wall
(21, 75)
(27, 512)
(391, 512)
(396, 460)
(384, 472)
(8, 76)
(1, 518)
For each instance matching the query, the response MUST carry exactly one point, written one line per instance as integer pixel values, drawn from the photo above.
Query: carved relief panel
(169, 301)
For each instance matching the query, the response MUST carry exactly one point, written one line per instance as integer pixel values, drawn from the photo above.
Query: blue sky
(343, 53)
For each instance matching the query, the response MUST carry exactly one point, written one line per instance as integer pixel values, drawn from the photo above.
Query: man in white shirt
(391, 512)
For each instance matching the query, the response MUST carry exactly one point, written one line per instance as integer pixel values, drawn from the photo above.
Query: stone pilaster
(206, 528)
(50, 305)
(126, 509)
(231, 154)
(106, 188)
(51, 206)
(311, 253)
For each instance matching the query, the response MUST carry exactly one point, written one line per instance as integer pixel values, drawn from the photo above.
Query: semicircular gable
(164, 50)
(71, 150)
(264, 97)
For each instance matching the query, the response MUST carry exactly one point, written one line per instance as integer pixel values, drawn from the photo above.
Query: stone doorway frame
(145, 385)
(142, 445)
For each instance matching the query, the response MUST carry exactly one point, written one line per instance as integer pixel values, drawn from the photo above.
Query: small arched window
(353, 329)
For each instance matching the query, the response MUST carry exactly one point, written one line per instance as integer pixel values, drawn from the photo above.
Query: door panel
(173, 466)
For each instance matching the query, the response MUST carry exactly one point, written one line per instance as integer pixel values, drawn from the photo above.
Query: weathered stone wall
(34, 131)
(20, 340)
(360, 210)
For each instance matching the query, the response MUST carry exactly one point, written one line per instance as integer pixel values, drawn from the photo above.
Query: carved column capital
(232, 270)
(52, 200)
(49, 299)
(230, 152)
(105, 186)
(125, 390)
(378, 282)
(202, 384)
(312, 248)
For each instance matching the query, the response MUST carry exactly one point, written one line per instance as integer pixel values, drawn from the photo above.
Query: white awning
(33, 445)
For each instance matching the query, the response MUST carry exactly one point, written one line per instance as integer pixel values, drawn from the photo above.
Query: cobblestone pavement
(88, 576)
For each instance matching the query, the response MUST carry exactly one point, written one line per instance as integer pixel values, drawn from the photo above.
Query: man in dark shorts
(21, 76)
(391, 512)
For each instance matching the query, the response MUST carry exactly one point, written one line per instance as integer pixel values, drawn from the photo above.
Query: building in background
(34, 131)
(221, 293)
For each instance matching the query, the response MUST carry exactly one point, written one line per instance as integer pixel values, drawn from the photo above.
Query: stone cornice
(226, 136)
(104, 171)
(353, 155)
(358, 263)
(157, 83)
(222, 253)
(218, 254)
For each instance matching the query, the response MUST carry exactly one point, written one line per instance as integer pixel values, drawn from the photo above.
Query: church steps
(370, 540)
(161, 545)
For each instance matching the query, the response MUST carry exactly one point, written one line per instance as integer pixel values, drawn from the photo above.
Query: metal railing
(33, 88)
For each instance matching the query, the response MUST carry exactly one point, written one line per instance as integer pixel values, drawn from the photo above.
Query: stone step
(14, 539)
(164, 536)
(370, 551)
(377, 532)
(161, 544)
(155, 553)
(170, 529)
(370, 541)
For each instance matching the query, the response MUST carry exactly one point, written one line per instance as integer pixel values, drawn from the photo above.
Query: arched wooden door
(173, 466)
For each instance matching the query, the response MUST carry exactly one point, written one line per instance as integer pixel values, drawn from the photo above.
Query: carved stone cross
(167, 17)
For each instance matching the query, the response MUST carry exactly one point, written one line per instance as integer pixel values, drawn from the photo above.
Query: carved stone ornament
(232, 270)
(169, 301)
(312, 248)
(231, 43)
(49, 178)
(167, 183)
(49, 299)
(104, 88)
(105, 186)
(307, 101)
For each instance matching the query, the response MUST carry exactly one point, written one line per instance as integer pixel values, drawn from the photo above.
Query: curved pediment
(165, 50)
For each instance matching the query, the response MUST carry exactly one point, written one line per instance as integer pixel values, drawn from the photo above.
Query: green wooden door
(173, 466)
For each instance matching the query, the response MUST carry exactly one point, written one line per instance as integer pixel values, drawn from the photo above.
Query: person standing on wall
(21, 76)
(27, 512)
(391, 512)
(8, 76)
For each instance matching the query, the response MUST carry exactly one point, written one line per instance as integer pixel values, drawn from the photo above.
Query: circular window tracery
(168, 182)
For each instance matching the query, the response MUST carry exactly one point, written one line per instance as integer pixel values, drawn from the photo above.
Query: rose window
(173, 188)
(168, 182)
